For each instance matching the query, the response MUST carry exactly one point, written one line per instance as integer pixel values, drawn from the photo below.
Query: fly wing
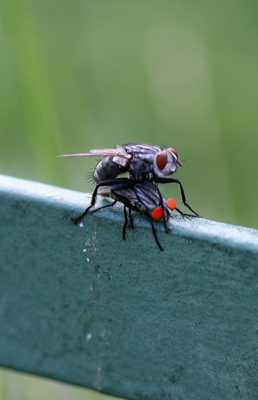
(142, 150)
(144, 197)
(148, 195)
(117, 152)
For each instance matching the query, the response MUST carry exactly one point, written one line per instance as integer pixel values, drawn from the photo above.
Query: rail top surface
(81, 305)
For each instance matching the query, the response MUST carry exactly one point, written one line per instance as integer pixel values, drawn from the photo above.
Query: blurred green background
(88, 74)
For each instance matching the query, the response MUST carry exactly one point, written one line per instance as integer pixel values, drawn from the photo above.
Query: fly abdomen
(107, 169)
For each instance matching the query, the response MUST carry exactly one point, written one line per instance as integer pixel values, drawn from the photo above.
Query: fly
(143, 198)
(142, 162)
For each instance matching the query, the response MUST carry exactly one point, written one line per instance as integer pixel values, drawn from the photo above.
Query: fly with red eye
(141, 162)
(143, 198)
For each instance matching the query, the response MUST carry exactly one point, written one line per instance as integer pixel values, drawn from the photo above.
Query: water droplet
(87, 259)
(84, 250)
(81, 224)
(88, 336)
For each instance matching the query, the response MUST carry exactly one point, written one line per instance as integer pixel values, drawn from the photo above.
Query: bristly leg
(185, 215)
(165, 219)
(78, 220)
(109, 182)
(131, 222)
(125, 223)
(102, 207)
(183, 196)
(155, 235)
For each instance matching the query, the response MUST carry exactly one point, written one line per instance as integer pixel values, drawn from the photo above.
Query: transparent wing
(118, 152)
(142, 150)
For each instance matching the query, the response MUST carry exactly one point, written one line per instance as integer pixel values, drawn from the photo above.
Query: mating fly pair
(143, 198)
(146, 166)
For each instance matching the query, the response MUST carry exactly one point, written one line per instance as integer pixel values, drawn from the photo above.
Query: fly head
(166, 162)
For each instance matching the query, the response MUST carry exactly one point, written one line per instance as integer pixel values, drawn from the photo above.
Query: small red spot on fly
(161, 159)
(171, 204)
(157, 213)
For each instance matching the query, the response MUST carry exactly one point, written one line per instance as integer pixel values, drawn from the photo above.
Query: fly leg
(125, 223)
(106, 206)
(109, 182)
(183, 196)
(165, 217)
(154, 232)
(131, 219)
(125, 184)
(184, 214)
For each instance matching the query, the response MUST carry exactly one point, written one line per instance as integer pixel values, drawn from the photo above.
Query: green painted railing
(81, 305)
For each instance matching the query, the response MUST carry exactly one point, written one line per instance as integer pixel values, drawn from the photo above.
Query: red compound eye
(171, 204)
(161, 159)
(157, 213)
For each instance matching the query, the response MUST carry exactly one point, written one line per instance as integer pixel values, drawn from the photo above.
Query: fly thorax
(140, 169)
